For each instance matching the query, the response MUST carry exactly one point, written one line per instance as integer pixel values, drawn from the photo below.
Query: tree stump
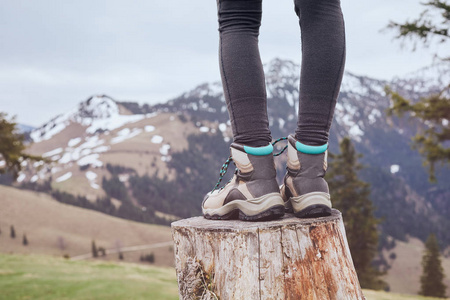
(289, 258)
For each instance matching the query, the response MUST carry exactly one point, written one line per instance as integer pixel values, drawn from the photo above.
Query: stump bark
(290, 258)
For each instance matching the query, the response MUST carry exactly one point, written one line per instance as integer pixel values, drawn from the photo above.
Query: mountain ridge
(189, 136)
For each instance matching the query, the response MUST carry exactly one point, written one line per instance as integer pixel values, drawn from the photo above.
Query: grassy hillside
(46, 278)
(43, 277)
(406, 269)
(58, 229)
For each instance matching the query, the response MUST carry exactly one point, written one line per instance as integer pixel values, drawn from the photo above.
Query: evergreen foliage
(432, 279)
(392, 199)
(84, 167)
(115, 188)
(427, 26)
(434, 132)
(94, 249)
(102, 251)
(433, 111)
(148, 258)
(12, 232)
(12, 147)
(351, 196)
(45, 187)
(120, 255)
(197, 170)
(25, 240)
(116, 170)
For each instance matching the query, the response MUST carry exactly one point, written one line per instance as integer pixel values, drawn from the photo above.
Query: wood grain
(289, 258)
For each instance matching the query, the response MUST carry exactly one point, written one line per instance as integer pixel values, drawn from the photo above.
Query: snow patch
(157, 139)
(356, 132)
(74, 142)
(149, 128)
(374, 114)
(95, 186)
(166, 158)
(85, 152)
(92, 142)
(395, 169)
(21, 177)
(91, 175)
(90, 160)
(64, 177)
(37, 163)
(101, 149)
(52, 152)
(124, 177)
(222, 127)
(125, 134)
(164, 150)
(204, 129)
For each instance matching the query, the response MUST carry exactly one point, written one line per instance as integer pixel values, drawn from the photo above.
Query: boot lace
(224, 168)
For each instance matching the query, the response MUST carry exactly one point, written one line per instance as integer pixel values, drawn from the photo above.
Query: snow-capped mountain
(97, 113)
(180, 146)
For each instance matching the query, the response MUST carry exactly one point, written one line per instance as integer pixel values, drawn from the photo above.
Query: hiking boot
(253, 193)
(304, 191)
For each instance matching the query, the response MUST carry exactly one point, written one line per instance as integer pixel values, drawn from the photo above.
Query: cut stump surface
(289, 258)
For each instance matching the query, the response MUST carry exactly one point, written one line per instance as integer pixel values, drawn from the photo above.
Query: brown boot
(304, 189)
(253, 193)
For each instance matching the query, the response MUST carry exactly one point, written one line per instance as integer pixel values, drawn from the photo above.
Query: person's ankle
(310, 141)
(253, 144)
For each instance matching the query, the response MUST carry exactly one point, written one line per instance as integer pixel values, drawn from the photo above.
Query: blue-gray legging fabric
(323, 59)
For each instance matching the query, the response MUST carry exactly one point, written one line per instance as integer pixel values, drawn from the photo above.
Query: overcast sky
(55, 53)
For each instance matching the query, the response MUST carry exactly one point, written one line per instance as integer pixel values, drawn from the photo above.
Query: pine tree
(427, 26)
(94, 249)
(433, 111)
(351, 196)
(25, 240)
(13, 232)
(12, 147)
(432, 279)
(120, 256)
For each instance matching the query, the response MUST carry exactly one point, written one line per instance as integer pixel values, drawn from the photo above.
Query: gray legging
(323, 60)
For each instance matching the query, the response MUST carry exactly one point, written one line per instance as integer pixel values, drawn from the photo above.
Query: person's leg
(323, 60)
(253, 192)
(242, 70)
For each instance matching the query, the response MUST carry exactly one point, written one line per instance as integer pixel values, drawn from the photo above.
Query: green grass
(38, 277)
(377, 295)
(44, 277)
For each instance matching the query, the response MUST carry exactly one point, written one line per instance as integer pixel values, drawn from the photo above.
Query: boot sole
(267, 207)
(311, 205)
